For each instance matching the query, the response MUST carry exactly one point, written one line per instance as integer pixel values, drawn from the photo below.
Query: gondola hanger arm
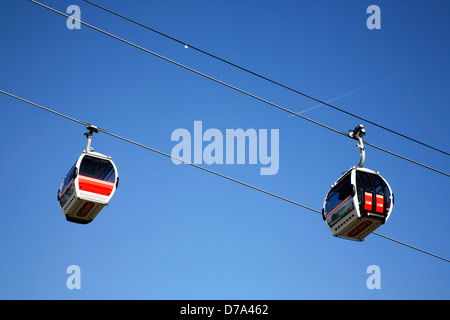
(357, 134)
(88, 135)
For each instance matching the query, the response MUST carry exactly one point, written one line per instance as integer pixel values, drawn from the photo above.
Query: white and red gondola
(89, 185)
(359, 202)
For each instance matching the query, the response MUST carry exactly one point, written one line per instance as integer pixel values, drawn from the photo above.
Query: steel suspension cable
(230, 86)
(204, 169)
(266, 78)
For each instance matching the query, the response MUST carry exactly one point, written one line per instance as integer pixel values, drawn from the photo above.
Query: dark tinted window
(97, 168)
(366, 182)
(387, 196)
(378, 184)
(339, 193)
(68, 178)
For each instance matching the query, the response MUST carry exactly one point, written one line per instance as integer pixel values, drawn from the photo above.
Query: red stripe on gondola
(380, 203)
(95, 185)
(368, 201)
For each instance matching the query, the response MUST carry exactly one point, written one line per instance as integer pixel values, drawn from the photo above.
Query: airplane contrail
(346, 94)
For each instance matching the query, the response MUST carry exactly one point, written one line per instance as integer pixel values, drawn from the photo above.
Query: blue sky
(176, 232)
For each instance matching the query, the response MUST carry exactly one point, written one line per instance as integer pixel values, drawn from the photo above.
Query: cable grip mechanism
(357, 134)
(88, 135)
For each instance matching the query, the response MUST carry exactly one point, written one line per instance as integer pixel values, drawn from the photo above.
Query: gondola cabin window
(343, 191)
(97, 168)
(69, 178)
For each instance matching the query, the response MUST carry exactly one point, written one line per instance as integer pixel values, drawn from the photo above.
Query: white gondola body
(357, 212)
(81, 196)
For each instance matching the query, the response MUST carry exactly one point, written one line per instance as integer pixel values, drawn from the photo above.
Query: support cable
(228, 85)
(204, 169)
(266, 78)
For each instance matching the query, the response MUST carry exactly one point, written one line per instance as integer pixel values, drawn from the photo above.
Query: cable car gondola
(89, 185)
(359, 202)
